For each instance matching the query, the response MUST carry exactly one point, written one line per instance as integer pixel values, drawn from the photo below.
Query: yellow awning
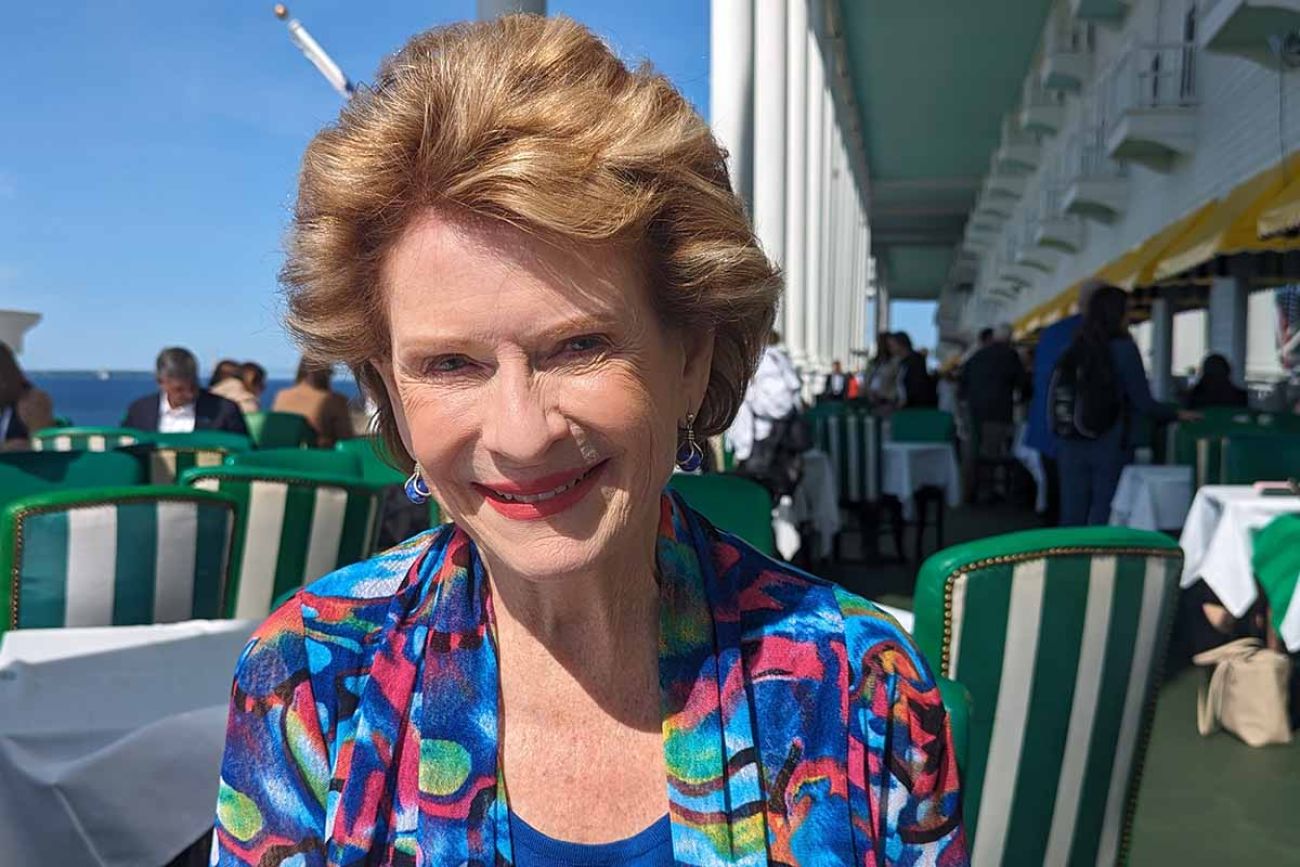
(1047, 313)
(1281, 214)
(1231, 227)
(1137, 266)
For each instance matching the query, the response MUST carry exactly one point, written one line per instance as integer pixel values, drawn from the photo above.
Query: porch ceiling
(932, 79)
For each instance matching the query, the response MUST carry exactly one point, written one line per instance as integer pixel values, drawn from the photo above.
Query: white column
(827, 233)
(489, 9)
(731, 87)
(769, 127)
(796, 177)
(815, 191)
(1162, 348)
(1225, 323)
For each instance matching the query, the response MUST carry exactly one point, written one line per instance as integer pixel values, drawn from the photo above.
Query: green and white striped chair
(29, 472)
(90, 439)
(1059, 635)
(114, 556)
(167, 456)
(850, 436)
(294, 527)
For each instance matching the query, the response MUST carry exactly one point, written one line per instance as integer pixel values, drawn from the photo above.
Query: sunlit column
(815, 204)
(796, 177)
(731, 87)
(769, 126)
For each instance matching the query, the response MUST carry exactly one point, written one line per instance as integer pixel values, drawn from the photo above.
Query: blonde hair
(532, 121)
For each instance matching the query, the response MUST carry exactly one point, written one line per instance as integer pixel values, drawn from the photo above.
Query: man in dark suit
(179, 405)
(836, 384)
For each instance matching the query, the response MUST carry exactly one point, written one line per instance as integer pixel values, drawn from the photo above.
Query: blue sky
(148, 153)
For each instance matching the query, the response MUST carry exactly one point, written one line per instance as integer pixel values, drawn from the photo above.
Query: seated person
(253, 375)
(325, 410)
(1215, 387)
(23, 407)
(227, 382)
(179, 405)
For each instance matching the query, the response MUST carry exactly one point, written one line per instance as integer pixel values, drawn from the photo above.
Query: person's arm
(234, 418)
(1133, 379)
(275, 773)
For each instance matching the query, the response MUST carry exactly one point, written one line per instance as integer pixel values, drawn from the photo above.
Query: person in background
(226, 382)
(179, 405)
(1039, 436)
(1090, 468)
(253, 375)
(311, 397)
(916, 387)
(1215, 387)
(772, 397)
(882, 374)
(28, 408)
(990, 382)
(836, 386)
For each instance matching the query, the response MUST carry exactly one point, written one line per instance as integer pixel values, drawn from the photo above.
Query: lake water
(86, 399)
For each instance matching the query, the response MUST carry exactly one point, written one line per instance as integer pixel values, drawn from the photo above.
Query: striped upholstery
(1059, 635)
(90, 439)
(850, 436)
(295, 526)
(167, 456)
(114, 556)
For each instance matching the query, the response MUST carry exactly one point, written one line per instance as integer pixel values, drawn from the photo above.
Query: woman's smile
(542, 497)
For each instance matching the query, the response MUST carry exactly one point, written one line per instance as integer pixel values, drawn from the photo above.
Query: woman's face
(538, 391)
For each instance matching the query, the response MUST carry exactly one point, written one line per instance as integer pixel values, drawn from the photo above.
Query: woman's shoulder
(877, 643)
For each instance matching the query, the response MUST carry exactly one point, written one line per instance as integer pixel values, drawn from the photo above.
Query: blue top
(652, 847)
(1052, 343)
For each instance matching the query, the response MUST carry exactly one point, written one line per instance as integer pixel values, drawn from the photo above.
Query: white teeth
(543, 497)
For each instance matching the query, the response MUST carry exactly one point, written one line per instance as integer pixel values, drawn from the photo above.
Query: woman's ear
(697, 364)
(385, 370)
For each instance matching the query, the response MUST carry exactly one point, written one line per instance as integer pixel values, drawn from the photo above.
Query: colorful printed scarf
(800, 726)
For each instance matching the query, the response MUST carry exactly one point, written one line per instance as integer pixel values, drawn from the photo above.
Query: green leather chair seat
(315, 460)
(1276, 563)
(30, 472)
(957, 701)
(1260, 457)
(922, 426)
(279, 430)
(114, 556)
(294, 527)
(732, 503)
(1059, 636)
(91, 439)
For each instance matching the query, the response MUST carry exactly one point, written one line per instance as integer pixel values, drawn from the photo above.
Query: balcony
(1029, 253)
(1042, 110)
(1020, 149)
(1004, 184)
(1243, 27)
(1150, 104)
(1054, 229)
(1096, 186)
(1067, 56)
(1109, 12)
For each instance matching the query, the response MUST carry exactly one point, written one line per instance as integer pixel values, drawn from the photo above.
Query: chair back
(1199, 444)
(294, 527)
(921, 426)
(738, 505)
(850, 436)
(374, 468)
(331, 461)
(279, 430)
(1260, 457)
(28, 472)
(114, 556)
(167, 456)
(1059, 635)
(1275, 560)
(90, 439)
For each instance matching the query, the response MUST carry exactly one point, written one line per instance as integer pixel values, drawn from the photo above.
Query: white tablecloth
(111, 739)
(816, 500)
(1217, 541)
(909, 466)
(1152, 497)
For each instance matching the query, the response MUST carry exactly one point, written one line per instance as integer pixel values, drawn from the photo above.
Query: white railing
(1068, 35)
(1086, 157)
(1150, 76)
(1035, 94)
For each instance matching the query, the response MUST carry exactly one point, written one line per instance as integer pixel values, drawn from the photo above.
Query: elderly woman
(533, 261)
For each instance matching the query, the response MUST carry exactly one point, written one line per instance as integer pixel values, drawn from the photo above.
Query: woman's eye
(584, 345)
(446, 364)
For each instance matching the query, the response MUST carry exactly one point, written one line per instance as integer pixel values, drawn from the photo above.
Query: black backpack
(1083, 396)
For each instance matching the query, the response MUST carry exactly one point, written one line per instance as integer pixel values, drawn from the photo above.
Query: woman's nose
(518, 424)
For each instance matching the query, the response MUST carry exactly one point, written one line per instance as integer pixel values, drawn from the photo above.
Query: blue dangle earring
(690, 457)
(417, 491)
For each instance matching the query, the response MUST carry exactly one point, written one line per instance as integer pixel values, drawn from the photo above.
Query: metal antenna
(312, 50)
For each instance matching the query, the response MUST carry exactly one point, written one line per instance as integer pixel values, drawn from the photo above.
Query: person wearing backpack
(1096, 387)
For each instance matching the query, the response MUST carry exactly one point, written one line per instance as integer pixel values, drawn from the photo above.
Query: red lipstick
(529, 501)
